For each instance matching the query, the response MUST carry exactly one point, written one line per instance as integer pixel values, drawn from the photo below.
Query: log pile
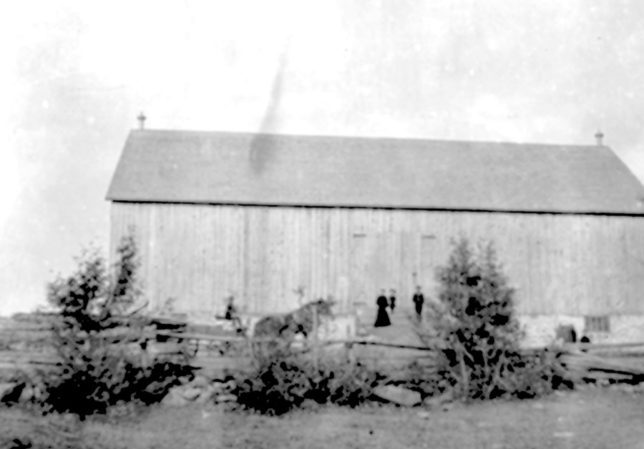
(604, 364)
(25, 344)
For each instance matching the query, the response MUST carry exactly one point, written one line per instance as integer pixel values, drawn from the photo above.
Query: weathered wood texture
(199, 254)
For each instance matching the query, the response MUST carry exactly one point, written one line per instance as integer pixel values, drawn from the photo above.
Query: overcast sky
(75, 74)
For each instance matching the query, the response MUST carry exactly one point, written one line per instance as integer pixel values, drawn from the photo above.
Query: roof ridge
(362, 137)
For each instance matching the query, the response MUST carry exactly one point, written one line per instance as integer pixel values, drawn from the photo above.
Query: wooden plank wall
(199, 254)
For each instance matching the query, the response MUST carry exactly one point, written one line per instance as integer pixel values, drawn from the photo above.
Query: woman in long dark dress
(382, 318)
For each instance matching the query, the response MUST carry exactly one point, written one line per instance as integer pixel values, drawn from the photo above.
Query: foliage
(478, 333)
(535, 374)
(102, 352)
(285, 380)
(77, 296)
(125, 290)
(89, 298)
(97, 377)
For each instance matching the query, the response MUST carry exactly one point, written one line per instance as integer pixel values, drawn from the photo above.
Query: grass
(595, 418)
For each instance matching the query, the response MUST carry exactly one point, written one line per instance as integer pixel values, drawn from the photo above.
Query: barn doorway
(372, 268)
(427, 265)
(359, 285)
(398, 260)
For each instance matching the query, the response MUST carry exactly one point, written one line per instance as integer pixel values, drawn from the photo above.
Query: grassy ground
(589, 419)
(594, 418)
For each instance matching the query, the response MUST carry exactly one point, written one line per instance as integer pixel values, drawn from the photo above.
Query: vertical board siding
(200, 254)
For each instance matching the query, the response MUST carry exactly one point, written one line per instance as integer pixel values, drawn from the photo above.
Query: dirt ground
(595, 418)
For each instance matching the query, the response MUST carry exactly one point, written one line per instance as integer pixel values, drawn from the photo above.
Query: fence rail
(26, 344)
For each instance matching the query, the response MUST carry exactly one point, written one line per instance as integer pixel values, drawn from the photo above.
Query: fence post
(315, 339)
(350, 355)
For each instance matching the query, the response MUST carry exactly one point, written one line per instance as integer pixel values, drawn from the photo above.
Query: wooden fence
(25, 345)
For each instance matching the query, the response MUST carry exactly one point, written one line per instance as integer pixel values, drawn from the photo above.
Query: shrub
(478, 332)
(90, 298)
(285, 380)
(98, 370)
(536, 373)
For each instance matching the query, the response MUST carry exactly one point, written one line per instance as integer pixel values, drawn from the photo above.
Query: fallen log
(591, 362)
(596, 346)
(608, 376)
(157, 349)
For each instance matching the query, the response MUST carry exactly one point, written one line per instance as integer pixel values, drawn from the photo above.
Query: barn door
(363, 253)
(359, 286)
(428, 264)
(373, 267)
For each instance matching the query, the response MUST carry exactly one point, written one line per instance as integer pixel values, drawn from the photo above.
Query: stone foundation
(540, 330)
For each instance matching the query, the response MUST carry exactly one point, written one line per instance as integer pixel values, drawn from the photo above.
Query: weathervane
(599, 136)
(141, 118)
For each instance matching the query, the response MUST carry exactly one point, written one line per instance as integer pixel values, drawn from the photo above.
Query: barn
(274, 220)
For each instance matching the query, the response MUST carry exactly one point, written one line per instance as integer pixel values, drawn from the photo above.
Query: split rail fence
(25, 345)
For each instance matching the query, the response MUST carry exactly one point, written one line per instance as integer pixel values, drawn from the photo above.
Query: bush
(98, 370)
(536, 373)
(285, 380)
(479, 334)
(107, 378)
(90, 298)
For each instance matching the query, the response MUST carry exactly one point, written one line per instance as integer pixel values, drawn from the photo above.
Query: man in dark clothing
(231, 314)
(392, 299)
(419, 300)
(382, 318)
(231, 310)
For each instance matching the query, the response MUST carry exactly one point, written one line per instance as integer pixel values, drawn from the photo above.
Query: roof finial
(599, 136)
(141, 118)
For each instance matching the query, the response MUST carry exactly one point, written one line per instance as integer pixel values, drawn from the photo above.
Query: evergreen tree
(475, 321)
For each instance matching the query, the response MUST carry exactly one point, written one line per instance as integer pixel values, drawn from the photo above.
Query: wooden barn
(275, 219)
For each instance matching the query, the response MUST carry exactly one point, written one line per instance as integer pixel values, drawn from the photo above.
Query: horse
(299, 321)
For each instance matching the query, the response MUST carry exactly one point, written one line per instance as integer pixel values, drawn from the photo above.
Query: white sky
(76, 74)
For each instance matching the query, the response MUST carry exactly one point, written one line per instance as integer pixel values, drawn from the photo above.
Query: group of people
(383, 302)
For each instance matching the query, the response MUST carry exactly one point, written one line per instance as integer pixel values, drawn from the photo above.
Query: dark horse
(300, 321)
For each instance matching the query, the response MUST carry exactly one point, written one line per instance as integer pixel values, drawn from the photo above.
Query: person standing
(231, 314)
(418, 300)
(231, 310)
(382, 317)
(392, 300)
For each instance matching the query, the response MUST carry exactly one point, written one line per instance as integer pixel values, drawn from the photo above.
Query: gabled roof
(264, 169)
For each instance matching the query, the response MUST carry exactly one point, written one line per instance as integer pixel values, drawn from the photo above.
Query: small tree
(125, 290)
(90, 297)
(99, 370)
(475, 322)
